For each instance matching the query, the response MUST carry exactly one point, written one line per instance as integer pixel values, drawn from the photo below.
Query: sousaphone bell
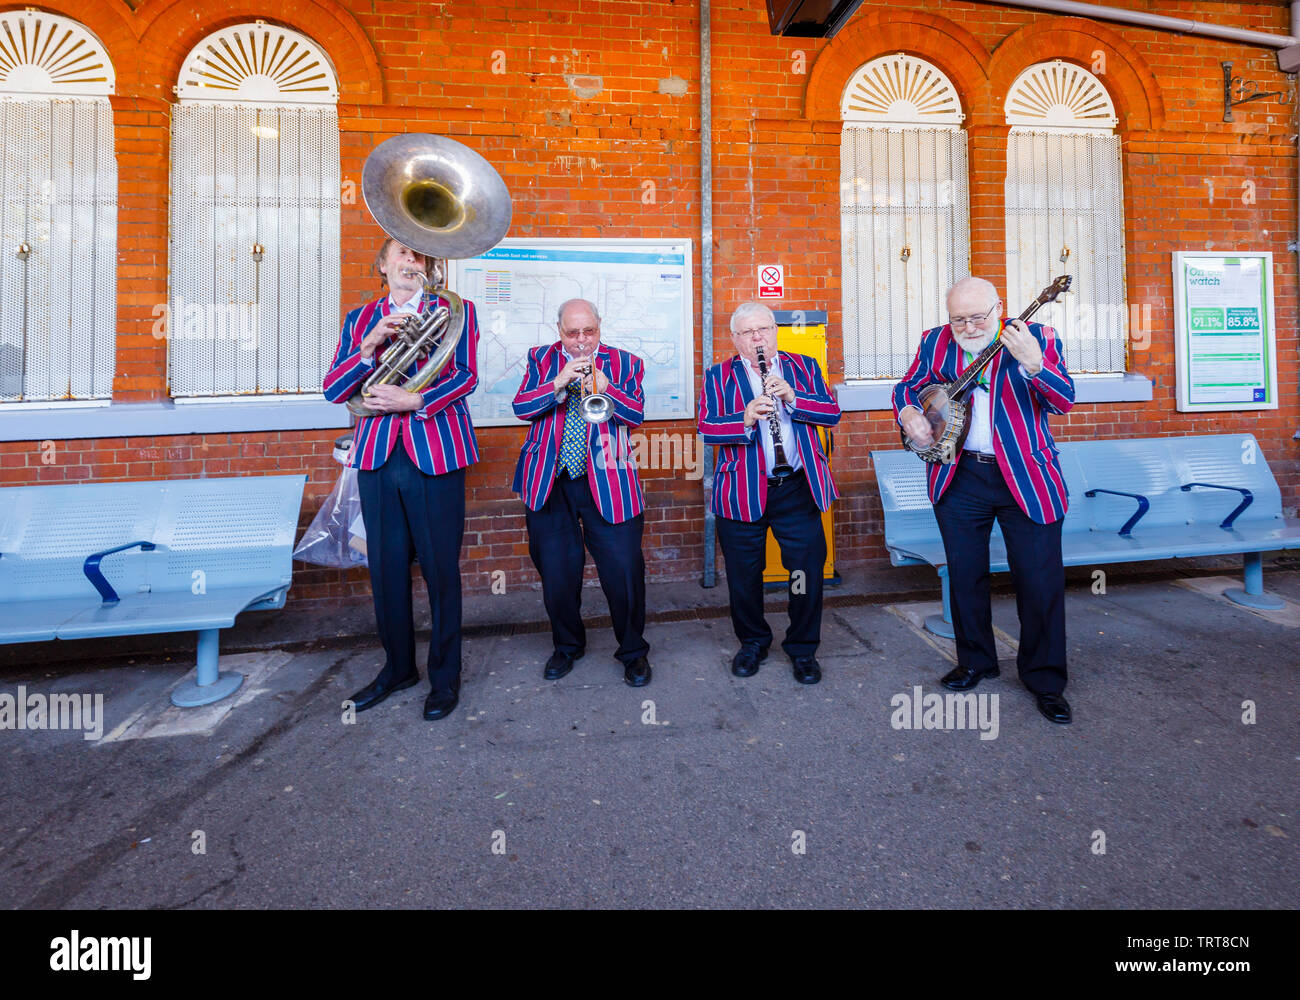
(441, 199)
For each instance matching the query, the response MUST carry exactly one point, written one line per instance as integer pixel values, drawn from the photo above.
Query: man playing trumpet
(411, 461)
(580, 488)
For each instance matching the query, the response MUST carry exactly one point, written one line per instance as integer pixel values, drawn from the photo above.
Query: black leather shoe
(440, 704)
(964, 678)
(745, 662)
(559, 664)
(806, 670)
(1054, 707)
(376, 691)
(637, 673)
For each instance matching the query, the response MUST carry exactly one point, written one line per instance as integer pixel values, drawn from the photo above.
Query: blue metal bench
(105, 559)
(1153, 498)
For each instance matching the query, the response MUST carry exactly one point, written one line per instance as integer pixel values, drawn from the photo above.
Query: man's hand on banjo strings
(917, 427)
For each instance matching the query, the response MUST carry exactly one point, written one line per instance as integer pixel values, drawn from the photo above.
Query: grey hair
(746, 309)
(559, 313)
(980, 284)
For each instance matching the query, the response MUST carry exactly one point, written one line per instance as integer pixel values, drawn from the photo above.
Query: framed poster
(642, 289)
(1225, 341)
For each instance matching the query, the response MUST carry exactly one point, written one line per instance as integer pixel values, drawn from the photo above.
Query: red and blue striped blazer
(439, 437)
(611, 473)
(740, 479)
(1022, 442)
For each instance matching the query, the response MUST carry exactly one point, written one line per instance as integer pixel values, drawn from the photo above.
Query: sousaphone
(441, 199)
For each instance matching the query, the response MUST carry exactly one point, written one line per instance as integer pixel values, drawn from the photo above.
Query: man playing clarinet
(762, 409)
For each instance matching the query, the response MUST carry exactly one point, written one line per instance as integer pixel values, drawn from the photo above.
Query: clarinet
(774, 422)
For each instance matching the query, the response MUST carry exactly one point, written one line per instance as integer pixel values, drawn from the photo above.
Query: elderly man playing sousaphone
(1007, 469)
(434, 197)
(411, 457)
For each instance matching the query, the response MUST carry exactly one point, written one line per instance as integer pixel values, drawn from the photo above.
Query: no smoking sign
(771, 281)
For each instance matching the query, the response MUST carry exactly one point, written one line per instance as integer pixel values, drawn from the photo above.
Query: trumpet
(594, 407)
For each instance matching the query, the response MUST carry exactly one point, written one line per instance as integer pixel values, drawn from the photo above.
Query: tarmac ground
(1175, 786)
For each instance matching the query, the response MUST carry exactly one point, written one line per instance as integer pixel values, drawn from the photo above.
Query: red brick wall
(576, 165)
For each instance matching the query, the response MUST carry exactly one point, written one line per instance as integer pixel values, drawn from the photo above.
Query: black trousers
(965, 512)
(796, 521)
(410, 514)
(560, 534)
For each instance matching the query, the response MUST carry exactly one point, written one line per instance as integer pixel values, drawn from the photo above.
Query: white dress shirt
(788, 443)
(980, 414)
(410, 305)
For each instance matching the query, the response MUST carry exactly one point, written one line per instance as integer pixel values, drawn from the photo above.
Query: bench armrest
(96, 576)
(1144, 505)
(1227, 521)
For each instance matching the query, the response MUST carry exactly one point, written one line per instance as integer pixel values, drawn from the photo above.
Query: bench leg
(1254, 595)
(941, 625)
(210, 684)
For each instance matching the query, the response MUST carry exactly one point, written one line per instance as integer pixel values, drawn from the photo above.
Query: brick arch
(1139, 104)
(935, 39)
(170, 32)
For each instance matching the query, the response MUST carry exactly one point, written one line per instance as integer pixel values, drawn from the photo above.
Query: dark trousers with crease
(796, 522)
(409, 515)
(568, 525)
(977, 494)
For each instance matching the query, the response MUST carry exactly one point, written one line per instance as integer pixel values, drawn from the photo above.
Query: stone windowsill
(1129, 388)
(101, 419)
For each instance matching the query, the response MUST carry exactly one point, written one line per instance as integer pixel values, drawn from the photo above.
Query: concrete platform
(699, 790)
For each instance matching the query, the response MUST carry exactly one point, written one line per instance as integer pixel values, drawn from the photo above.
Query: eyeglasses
(586, 331)
(961, 321)
(763, 330)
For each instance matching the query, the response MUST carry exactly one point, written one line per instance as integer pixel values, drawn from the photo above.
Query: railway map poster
(642, 289)
(1226, 349)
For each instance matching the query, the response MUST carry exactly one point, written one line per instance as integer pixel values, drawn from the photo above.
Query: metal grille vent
(905, 239)
(1061, 95)
(256, 63)
(901, 89)
(51, 56)
(254, 269)
(1065, 214)
(58, 248)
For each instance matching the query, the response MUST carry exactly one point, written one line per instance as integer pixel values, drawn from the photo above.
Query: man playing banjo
(1007, 469)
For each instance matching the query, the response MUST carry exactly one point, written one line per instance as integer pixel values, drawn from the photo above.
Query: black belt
(778, 480)
(983, 456)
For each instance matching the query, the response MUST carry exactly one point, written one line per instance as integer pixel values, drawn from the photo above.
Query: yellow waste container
(804, 332)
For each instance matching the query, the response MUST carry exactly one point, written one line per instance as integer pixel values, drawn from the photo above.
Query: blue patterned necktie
(573, 447)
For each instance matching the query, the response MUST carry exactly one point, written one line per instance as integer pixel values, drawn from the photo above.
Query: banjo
(945, 406)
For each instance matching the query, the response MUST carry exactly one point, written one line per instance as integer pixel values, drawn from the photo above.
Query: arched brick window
(58, 211)
(254, 257)
(1065, 209)
(905, 216)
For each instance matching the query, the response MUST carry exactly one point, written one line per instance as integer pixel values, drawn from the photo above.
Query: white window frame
(58, 215)
(253, 309)
(1065, 211)
(905, 234)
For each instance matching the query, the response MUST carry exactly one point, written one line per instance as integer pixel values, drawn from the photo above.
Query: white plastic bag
(337, 535)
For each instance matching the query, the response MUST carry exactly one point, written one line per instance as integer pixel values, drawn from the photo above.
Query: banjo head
(948, 420)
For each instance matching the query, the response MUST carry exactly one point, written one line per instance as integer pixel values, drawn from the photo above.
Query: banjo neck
(986, 356)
